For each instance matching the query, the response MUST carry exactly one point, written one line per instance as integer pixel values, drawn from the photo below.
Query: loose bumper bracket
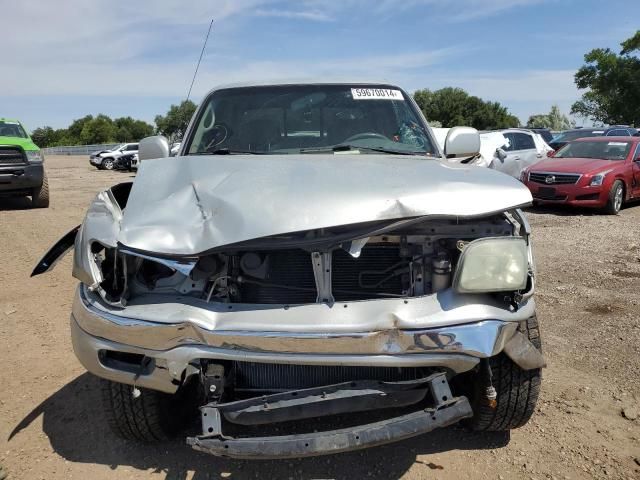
(446, 410)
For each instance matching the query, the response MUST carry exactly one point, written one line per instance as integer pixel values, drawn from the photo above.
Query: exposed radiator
(273, 377)
(290, 277)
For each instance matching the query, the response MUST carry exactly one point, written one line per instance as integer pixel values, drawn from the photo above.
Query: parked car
(545, 133)
(109, 160)
(310, 254)
(22, 172)
(565, 137)
(524, 148)
(124, 162)
(598, 172)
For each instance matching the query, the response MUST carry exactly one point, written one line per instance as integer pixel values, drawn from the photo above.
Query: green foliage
(613, 83)
(555, 120)
(130, 130)
(45, 136)
(93, 130)
(98, 130)
(453, 107)
(175, 122)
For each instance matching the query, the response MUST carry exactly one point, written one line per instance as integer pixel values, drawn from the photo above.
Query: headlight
(492, 265)
(597, 180)
(523, 176)
(34, 156)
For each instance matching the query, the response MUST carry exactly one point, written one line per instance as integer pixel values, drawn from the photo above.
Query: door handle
(517, 157)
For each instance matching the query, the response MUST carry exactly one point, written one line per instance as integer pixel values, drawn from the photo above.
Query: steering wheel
(364, 136)
(217, 133)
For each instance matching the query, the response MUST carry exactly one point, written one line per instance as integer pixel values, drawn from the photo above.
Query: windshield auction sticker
(376, 94)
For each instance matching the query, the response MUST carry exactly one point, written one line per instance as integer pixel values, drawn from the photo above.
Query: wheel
(517, 390)
(616, 197)
(40, 196)
(108, 163)
(150, 417)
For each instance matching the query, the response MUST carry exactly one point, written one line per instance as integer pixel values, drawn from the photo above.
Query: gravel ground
(588, 306)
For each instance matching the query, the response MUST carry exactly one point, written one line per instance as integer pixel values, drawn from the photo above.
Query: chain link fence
(78, 149)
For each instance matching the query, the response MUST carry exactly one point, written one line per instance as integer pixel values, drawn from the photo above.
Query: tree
(130, 130)
(90, 130)
(613, 83)
(74, 131)
(98, 130)
(555, 120)
(453, 107)
(45, 136)
(175, 122)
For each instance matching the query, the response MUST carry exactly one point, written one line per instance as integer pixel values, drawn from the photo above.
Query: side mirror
(462, 142)
(551, 153)
(153, 147)
(501, 154)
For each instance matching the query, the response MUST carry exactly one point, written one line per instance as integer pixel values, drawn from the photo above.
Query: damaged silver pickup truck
(307, 254)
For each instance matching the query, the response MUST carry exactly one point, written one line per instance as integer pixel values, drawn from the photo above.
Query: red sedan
(600, 172)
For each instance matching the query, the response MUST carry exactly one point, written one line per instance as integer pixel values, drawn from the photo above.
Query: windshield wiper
(345, 147)
(227, 151)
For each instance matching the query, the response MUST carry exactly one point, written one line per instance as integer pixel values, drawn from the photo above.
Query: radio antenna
(200, 59)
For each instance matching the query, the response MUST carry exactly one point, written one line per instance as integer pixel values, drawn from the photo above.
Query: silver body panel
(188, 205)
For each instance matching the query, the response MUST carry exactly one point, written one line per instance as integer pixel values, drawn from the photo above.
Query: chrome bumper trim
(378, 327)
(168, 366)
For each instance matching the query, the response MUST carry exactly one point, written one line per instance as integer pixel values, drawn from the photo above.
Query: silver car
(309, 260)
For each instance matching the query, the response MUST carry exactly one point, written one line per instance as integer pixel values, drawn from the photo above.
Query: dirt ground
(588, 306)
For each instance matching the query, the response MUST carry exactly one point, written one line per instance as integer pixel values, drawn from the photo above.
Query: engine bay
(416, 260)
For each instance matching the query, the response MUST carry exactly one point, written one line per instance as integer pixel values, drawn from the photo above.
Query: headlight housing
(34, 156)
(597, 179)
(492, 265)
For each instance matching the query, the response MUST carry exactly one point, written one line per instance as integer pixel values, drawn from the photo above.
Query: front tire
(517, 390)
(616, 197)
(149, 418)
(40, 196)
(108, 163)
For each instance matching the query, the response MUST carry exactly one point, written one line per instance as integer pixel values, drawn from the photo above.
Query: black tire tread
(40, 197)
(143, 418)
(517, 389)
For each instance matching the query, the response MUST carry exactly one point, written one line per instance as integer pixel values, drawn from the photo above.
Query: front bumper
(452, 337)
(574, 195)
(20, 179)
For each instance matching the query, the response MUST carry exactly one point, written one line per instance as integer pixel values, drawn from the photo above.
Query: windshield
(595, 149)
(575, 134)
(306, 118)
(12, 129)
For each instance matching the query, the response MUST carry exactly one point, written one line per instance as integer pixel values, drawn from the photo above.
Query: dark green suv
(21, 165)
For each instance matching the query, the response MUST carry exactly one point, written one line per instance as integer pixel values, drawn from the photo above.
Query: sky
(63, 59)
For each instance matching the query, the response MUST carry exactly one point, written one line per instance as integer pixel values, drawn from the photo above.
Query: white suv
(109, 160)
(524, 148)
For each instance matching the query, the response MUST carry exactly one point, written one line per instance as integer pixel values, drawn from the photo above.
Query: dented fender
(101, 224)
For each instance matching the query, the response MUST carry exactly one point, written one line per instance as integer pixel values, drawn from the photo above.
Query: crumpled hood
(188, 205)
